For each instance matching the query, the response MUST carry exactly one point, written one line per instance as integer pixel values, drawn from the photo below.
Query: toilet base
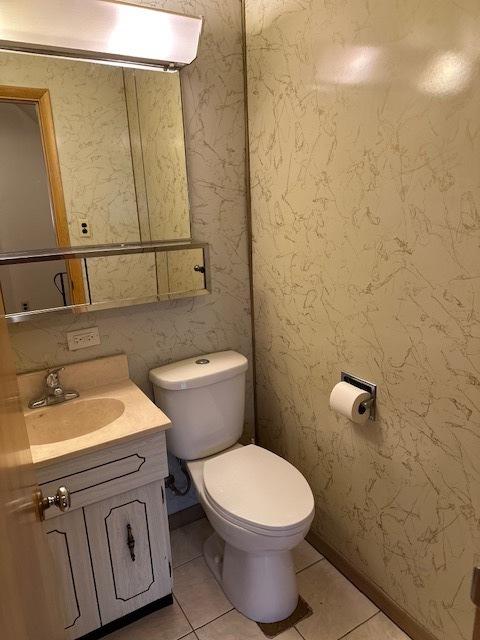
(262, 586)
(213, 551)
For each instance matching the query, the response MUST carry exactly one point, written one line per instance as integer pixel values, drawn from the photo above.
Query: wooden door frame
(41, 99)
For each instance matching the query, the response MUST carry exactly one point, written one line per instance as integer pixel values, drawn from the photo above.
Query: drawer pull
(131, 542)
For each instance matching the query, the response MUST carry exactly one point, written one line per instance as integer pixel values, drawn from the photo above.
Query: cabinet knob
(199, 268)
(61, 499)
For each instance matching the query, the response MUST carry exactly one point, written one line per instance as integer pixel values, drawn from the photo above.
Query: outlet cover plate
(83, 338)
(84, 228)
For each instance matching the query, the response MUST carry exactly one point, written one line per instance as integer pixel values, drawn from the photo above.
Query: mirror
(92, 154)
(32, 288)
(111, 142)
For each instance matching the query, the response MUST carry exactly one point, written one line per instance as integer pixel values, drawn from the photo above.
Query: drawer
(107, 472)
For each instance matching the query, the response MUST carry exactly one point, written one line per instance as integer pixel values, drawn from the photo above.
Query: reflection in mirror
(27, 287)
(32, 214)
(111, 281)
(116, 278)
(120, 165)
(154, 107)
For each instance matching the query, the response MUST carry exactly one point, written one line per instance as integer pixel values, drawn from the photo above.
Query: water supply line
(170, 481)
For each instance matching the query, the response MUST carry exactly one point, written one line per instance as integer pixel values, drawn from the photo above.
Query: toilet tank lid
(199, 371)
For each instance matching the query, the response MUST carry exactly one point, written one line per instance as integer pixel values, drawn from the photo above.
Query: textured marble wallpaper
(154, 334)
(364, 131)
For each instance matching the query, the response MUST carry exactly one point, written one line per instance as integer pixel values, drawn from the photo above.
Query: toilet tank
(204, 397)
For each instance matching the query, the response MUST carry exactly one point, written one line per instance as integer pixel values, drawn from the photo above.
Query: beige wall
(158, 333)
(364, 121)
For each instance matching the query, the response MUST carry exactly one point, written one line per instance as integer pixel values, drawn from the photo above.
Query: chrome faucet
(54, 392)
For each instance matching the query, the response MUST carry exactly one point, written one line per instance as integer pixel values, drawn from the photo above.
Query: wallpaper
(150, 335)
(364, 148)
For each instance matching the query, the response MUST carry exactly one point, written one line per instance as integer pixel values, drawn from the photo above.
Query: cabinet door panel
(130, 550)
(132, 570)
(67, 538)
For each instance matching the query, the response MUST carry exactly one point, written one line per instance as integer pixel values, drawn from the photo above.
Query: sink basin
(72, 419)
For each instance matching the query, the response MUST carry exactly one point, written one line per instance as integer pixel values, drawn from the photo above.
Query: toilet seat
(255, 489)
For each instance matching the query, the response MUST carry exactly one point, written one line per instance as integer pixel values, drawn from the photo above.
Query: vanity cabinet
(112, 549)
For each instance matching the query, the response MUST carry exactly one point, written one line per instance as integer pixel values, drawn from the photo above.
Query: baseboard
(185, 516)
(383, 601)
(115, 625)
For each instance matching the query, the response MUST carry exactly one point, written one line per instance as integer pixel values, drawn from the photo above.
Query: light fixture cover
(100, 30)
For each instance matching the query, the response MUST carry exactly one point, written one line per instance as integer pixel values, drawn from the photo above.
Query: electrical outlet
(84, 228)
(83, 338)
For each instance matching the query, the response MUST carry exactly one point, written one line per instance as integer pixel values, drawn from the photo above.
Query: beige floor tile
(198, 593)
(378, 628)
(304, 555)
(234, 626)
(337, 605)
(187, 542)
(191, 636)
(166, 624)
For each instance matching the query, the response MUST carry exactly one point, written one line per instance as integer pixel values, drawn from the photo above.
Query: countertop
(140, 416)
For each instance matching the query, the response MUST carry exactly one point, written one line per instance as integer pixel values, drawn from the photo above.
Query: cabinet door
(67, 537)
(130, 548)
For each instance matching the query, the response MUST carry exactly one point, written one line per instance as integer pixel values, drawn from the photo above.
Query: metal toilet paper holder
(367, 386)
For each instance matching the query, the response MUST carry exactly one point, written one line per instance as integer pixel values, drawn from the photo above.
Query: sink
(72, 419)
(110, 411)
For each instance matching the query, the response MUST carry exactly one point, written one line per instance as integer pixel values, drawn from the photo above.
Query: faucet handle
(52, 379)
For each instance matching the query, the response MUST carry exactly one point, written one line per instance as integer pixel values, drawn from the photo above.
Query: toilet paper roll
(345, 399)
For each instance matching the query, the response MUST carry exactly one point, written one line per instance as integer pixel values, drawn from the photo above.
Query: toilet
(259, 505)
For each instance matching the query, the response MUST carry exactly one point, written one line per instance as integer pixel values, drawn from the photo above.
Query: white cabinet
(112, 555)
(129, 547)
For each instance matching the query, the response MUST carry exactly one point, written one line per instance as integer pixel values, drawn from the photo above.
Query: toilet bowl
(259, 505)
(250, 553)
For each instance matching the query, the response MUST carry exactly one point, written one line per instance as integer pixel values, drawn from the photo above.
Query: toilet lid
(259, 488)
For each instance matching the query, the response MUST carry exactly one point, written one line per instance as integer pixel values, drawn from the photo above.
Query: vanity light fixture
(100, 31)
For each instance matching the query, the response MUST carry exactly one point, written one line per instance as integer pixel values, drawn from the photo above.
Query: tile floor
(202, 612)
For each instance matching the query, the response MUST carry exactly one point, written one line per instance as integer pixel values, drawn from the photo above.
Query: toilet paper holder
(370, 387)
